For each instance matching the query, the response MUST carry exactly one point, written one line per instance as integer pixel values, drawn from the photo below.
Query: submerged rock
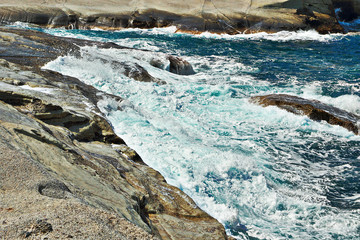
(61, 160)
(315, 110)
(218, 16)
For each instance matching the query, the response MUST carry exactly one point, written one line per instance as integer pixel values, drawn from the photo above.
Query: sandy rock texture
(219, 16)
(64, 172)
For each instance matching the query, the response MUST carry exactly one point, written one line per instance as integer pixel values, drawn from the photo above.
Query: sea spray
(263, 172)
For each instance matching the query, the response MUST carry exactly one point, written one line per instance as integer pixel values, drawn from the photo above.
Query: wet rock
(180, 66)
(315, 110)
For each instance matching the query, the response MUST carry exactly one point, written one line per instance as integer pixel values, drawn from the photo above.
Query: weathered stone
(315, 110)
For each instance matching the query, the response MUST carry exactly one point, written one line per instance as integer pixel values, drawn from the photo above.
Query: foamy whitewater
(263, 172)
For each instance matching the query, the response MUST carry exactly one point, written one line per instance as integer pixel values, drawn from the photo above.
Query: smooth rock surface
(315, 110)
(219, 16)
(64, 172)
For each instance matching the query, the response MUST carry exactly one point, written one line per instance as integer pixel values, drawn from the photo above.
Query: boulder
(314, 109)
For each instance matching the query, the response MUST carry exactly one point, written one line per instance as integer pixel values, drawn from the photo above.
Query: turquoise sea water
(262, 172)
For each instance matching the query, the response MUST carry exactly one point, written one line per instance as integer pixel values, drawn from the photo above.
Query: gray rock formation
(64, 172)
(315, 110)
(219, 16)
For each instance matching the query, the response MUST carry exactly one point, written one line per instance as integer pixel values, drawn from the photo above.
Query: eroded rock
(315, 110)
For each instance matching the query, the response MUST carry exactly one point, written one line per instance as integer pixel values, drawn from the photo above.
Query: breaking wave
(262, 172)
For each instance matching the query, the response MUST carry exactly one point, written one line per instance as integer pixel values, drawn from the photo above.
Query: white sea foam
(157, 31)
(229, 155)
(21, 25)
(347, 102)
(282, 36)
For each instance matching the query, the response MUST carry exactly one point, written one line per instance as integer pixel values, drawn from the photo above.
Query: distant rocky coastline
(215, 16)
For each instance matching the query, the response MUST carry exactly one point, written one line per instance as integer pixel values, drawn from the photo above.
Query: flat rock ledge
(64, 172)
(314, 109)
(216, 16)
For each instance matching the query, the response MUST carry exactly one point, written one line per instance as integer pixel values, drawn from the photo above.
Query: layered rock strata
(315, 110)
(218, 16)
(64, 172)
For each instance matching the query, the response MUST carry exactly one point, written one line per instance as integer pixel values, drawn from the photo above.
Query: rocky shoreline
(65, 173)
(189, 16)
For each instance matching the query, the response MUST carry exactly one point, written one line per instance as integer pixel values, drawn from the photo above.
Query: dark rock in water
(315, 110)
(180, 66)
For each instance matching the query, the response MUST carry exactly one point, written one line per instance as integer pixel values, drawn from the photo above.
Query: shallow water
(262, 172)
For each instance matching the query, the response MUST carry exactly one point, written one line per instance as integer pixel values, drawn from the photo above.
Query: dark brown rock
(315, 110)
(180, 66)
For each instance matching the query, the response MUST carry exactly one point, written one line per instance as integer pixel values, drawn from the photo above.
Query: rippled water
(263, 172)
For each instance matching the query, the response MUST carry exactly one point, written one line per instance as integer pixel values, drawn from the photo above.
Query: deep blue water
(262, 172)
